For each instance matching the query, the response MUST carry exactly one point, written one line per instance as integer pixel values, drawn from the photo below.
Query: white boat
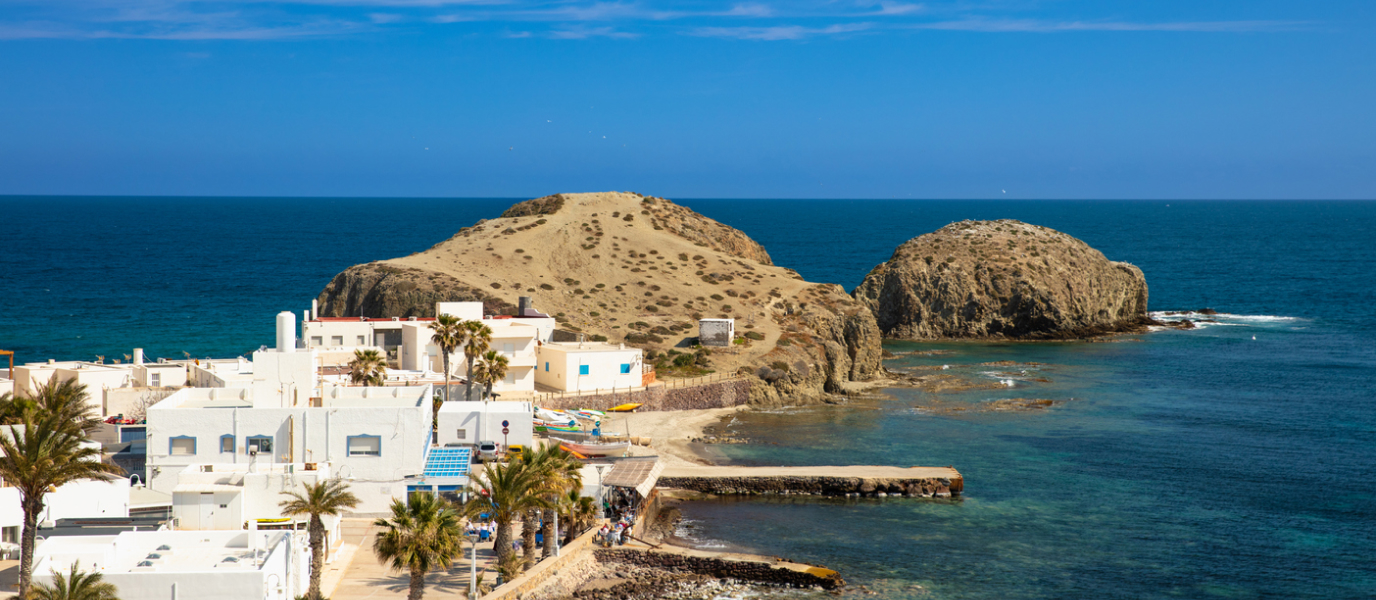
(594, 449)
(554, 417)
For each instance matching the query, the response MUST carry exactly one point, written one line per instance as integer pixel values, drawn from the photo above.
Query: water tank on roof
(286, 331)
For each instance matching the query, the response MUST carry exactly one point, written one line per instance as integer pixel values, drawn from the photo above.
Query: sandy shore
(671, 433)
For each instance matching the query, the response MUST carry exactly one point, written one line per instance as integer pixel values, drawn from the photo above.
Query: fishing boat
(555, 417)
(554, 428)
(625, 407)
(589, 414)
(594, 449)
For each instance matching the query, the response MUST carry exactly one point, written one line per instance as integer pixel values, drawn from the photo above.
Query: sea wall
(553, 577)
(718, 394)
(743, 570)
(929, 487)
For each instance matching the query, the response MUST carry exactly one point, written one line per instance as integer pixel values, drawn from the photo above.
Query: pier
(845, 481)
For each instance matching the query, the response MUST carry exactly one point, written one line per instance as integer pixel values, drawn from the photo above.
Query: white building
(716, 332)
(110, 387)
(181, 565)
(376, 436)
(408, 344)
(220, 496)
(587, 366)
(466, 423)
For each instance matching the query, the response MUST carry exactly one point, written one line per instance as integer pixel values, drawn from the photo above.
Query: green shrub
(546, 286)
(755, 335)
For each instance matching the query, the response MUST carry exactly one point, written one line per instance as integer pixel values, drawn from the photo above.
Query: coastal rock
(1003, 279)
(624, 267)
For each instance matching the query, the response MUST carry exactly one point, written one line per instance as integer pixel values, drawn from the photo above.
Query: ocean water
(1233, 461)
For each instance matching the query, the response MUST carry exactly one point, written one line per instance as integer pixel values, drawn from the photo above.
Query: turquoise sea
(1237, 460)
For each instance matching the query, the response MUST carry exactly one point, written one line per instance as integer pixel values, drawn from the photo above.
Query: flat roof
(586, 347)
(188, 551)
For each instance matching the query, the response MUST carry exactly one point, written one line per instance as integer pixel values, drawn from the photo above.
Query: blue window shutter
(582, 369)
(625, 368)
(546, 366)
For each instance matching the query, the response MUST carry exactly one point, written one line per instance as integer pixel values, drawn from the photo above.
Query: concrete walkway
(364, 577)
(865, 471)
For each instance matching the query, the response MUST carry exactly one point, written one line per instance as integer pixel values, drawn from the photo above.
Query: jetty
(845, 481)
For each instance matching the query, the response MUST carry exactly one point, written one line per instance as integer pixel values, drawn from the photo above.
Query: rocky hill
(638, 269)
(1003, 279)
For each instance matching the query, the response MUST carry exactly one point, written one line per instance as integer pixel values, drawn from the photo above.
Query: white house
(376, 436)
(586, 366)
(466, 423)
(220, 496)
(204, 565)
(110, 387)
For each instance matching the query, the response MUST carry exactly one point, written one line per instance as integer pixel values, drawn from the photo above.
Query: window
(509, 349)
(226, 443)
(362, 340)
(155, 379)
(182, 446)
(582, 369)
(10, 535)
(510, 379)
(546, 366)
(337, 340)
(259, 443)
(365, 445)
(625, 368)
(463, 434)
(317, 341)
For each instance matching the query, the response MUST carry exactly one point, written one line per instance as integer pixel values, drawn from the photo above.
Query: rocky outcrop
(1003, 279)
(818, 486)
(382, 290)
(642, 270)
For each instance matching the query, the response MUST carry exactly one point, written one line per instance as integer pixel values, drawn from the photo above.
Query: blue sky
(831, 99)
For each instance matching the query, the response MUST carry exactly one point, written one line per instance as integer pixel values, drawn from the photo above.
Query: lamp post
(473, 566)
(601, 511)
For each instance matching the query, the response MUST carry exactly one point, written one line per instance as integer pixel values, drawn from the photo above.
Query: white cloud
(1040, 26)
(779, 32)
(583, 33)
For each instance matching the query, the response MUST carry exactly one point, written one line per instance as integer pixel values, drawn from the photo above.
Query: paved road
(364, 577)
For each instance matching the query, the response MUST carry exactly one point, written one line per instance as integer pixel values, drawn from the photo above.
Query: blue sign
(506, 423)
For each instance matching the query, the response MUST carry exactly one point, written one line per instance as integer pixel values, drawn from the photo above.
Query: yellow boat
(625, 407)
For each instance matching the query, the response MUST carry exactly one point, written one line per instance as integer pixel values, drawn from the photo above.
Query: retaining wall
(744, 570)
(719, 394)
(818, 486)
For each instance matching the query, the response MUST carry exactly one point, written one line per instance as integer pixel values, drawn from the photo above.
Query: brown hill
(1003, 279)
(637, 269)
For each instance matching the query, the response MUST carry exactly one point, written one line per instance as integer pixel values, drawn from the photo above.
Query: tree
(577, 512)
(75, 585)
(557, 472)
(44, 453)
(491, 368)
(328, 497)
(504, 492)
(423, 535)
(66, 400)
(448, 335)
(368, 367)
(477, 338)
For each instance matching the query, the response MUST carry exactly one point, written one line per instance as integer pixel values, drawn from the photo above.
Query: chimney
(315, 309)
(138, 356)
(286, 331)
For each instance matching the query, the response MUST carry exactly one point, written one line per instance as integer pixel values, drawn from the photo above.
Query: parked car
(487, 451)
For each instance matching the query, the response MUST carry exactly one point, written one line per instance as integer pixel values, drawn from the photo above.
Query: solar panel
(448, 462)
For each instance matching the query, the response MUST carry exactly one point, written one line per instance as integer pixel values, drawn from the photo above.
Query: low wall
(818, 486)
(719, 394)
(743, 570)
(556, 576)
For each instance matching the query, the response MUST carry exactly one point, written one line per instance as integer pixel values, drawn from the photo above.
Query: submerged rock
(1003, 279)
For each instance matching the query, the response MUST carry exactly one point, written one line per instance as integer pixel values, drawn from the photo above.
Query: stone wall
(753, 571)
(718, 394)
(818, 486)
(552, 577)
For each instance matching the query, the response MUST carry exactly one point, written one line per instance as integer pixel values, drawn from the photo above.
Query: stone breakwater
(849, 487)
(675, 563)
(719, 394)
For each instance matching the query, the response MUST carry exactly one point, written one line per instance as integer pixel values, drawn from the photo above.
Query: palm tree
(67, 401)
(76, 585)
(448, 334)
(12, 408)
(504, 492)
(328, 497)
(44, 453)
(368, 367)
(423, 535)
(490, 369)
(477, 337)
(558, 472)
(577, 511)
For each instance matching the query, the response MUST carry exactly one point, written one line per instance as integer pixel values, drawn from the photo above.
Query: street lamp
(473, 565)
(601, 510)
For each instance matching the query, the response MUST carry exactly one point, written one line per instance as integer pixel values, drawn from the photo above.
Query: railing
(670, 383)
